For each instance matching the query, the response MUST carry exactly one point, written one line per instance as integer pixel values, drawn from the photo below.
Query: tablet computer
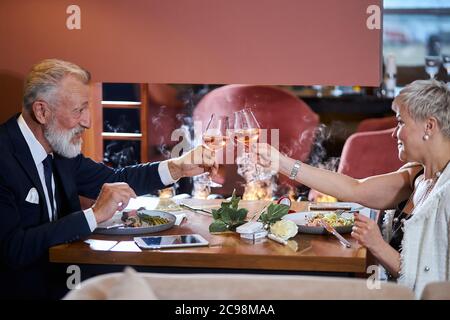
(173, 241)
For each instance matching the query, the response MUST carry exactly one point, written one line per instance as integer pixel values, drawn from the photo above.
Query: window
(414, 29)
(415, 4)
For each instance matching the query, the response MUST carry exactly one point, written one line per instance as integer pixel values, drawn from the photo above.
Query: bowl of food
(138, 221)
(308, 221)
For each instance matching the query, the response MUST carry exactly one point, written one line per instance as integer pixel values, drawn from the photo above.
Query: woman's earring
(425, 137)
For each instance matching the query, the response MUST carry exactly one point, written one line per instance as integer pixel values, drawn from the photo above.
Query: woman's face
(409, 134)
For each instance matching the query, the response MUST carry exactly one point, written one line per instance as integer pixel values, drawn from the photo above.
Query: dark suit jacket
(25, 231)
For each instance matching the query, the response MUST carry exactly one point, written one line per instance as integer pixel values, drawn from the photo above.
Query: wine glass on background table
(446, 64)
(432, 64)
(215, 137)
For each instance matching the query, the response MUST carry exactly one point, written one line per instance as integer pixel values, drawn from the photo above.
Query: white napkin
(180, 217)
(32, 196)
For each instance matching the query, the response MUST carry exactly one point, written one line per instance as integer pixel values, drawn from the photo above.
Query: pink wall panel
(198, 41)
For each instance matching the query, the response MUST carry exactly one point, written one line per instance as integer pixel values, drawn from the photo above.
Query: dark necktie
(48, 173)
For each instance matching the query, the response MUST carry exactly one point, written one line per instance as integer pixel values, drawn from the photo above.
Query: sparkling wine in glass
(215, 142)
(246, 127)
(215, 138)
(246, 131)
(247, 136)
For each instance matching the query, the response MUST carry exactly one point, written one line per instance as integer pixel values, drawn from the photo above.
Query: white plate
(301, 218)
(324, 205)
(105, 227)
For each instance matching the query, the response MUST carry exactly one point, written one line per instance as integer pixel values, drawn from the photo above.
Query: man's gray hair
(427, 98)
(44, 78)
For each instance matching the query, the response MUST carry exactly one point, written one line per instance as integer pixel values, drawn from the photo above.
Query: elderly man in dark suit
(42, 174)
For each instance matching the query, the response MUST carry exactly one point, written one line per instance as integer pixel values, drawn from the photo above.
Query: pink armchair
(366, 154)
(369, 153)
(274, 108)
(375, 124)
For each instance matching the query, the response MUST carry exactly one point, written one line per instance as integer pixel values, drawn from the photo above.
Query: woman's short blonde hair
(44, 78)
(427, 98)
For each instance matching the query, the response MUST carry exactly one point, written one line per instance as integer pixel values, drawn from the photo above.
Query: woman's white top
(425, 256)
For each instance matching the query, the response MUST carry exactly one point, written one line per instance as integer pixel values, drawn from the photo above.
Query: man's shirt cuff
(164, 173)
(90, 218)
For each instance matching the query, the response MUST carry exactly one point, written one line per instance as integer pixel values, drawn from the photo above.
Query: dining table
(226, 251)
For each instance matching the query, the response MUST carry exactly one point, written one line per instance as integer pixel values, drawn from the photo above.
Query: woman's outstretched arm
(378, 192)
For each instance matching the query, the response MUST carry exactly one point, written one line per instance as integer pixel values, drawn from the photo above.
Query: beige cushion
(239, 286)
(224, 286)
(128, 285)
(436, 291)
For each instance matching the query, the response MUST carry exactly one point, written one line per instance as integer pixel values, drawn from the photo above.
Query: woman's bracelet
(295, 169)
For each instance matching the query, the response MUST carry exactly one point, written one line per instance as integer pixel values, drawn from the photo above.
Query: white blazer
(425, 253)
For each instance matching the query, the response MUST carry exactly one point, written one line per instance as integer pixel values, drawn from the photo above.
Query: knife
(113, 226)
(333, 231)
(183, 205)
(341, 211)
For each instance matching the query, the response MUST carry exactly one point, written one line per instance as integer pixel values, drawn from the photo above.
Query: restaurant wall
(10, 94)
(292, 42)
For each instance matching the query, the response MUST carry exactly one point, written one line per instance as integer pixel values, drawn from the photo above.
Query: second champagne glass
(246, 132)
(246, 127)
(215, 138)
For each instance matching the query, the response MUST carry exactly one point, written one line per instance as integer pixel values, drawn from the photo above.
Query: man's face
(70, 117)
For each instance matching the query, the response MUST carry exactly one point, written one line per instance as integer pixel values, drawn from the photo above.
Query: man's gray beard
(61, 140)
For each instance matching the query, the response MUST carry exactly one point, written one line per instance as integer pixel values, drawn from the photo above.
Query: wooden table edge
(160, 258)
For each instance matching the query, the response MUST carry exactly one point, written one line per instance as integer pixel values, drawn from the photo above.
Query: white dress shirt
(39, 155)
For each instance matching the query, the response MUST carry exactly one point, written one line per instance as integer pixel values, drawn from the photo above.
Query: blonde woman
(415, 248)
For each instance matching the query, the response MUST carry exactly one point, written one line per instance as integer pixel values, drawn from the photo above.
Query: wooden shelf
(121, 136)
(95, 138)
(121, 104)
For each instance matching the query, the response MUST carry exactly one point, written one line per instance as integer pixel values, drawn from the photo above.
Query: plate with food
(309, 221)
(140, 221)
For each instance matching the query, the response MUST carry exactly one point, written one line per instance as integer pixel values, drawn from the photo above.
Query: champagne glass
(246, 127)
(446, 64)
(215, 138)
(246, 132)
